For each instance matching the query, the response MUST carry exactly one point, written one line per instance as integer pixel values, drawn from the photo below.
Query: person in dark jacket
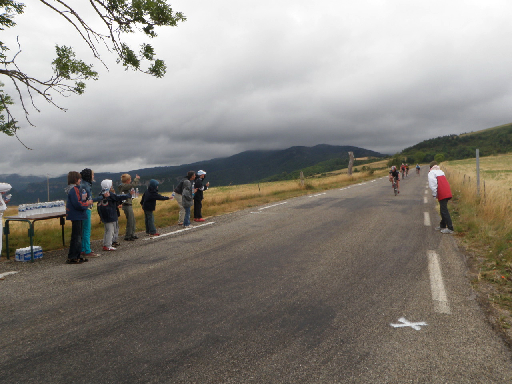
(148, 202)
(107, 209)
(198, 196)
(76, 207)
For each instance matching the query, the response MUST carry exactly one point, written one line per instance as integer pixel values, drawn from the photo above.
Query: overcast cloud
(377, 74)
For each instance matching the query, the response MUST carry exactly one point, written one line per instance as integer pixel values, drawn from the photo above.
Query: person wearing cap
(107, 209)
(198, 196)
(441, 190)
(4, 188)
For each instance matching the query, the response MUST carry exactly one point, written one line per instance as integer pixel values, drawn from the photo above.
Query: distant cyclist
(402, 169)
(406, 169)
(394, 174)
(418, 168)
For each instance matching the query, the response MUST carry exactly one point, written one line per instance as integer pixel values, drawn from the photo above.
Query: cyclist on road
(407, 170)
(402, 169)
(394, 174)
(418, 168)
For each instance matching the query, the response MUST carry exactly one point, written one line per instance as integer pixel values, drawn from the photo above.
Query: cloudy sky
(267, 74)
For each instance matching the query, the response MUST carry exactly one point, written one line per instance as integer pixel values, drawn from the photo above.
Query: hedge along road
(348, 286)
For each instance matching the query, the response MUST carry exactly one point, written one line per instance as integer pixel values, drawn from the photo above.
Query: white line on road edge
(426, 191)
(318, 194)
(2, 275)
(270, 206)
(441, 304)
(425, 200)
(179, 231)
(426, 219)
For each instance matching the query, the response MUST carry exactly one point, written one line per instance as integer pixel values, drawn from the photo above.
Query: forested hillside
(490, 141)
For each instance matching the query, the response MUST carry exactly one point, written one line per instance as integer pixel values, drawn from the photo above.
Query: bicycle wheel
(396, 191)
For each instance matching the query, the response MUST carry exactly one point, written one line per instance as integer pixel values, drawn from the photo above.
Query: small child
(107, 209)
(125, 187)
(148, 202)
(76, 208)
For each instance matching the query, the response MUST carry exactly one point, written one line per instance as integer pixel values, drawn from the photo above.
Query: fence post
(350, 163)
(477, 172)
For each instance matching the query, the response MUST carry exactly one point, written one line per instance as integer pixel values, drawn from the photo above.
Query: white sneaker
(447, 231)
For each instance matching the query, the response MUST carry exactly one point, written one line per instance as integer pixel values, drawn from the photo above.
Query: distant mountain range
(243, 168)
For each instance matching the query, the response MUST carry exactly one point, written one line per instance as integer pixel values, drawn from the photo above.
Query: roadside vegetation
(484, 227)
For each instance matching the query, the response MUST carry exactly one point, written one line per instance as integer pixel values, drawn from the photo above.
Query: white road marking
(426, 191)
(270, 206)
(441, 304)
(318, 194)
(426, 219)
(406, 323)
(179, 231)
(2, 275)
(425, 200)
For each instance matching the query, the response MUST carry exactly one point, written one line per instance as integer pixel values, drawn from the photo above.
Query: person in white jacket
(4, 188)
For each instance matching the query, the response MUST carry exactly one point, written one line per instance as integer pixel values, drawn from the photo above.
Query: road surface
(353, 285)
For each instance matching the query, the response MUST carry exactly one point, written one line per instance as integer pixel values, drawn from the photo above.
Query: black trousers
(75, 245)
(446, 220)
(198, 205)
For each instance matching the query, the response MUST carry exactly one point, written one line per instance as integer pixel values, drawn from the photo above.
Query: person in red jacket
(441, 189)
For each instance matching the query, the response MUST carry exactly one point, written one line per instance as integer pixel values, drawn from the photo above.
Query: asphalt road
(347, 286)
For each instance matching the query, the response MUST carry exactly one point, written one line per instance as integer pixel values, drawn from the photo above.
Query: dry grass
(218, 201)
(485, 227)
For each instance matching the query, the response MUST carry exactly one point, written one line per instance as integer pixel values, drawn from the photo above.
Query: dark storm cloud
(268, 75)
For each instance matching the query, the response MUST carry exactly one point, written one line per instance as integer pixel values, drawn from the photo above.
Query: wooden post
(478, 172)
(350, 163)
(301, 178)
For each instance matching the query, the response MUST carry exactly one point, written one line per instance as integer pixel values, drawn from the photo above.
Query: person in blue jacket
(76, 207)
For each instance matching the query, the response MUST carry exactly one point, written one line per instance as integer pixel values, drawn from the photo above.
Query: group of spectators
(80, 201)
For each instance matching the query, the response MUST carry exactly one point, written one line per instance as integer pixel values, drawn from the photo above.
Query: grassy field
(218, 201)
(484, 226)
